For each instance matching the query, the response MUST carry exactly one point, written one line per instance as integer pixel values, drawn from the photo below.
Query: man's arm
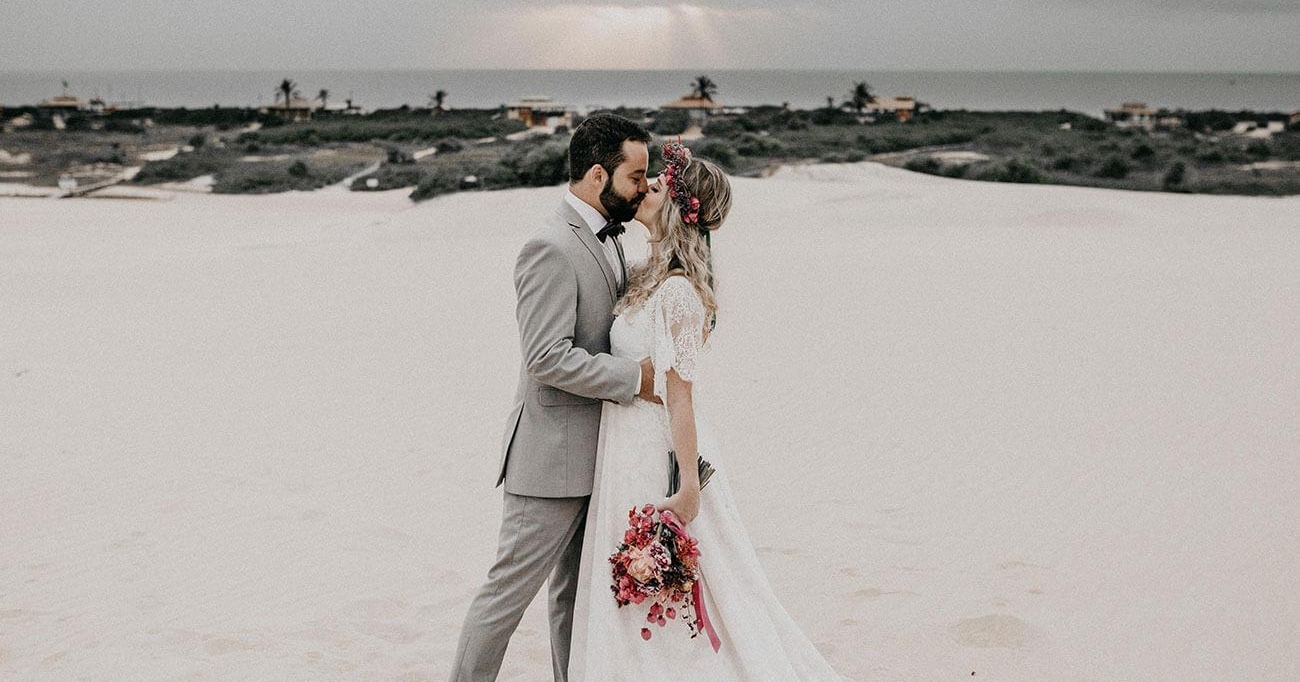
(546, 291)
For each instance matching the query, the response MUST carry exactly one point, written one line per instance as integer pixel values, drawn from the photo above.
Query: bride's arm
(681, 417)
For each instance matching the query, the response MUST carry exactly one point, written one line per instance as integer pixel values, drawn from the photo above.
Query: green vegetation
(436, 151)
(394, 126)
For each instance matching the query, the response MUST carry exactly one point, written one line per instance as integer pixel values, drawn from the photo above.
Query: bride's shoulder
(678, 291)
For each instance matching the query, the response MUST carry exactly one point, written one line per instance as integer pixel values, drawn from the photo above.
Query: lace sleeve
(678, 318)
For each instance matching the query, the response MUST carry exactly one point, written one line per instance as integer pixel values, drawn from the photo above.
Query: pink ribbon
(702, 614)
(697, 594)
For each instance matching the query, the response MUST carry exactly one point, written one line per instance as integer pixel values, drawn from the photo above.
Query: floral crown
(677, 158)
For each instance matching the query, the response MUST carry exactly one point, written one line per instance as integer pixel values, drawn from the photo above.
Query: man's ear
(595, 174)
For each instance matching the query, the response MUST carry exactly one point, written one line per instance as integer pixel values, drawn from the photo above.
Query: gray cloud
(1186, 35)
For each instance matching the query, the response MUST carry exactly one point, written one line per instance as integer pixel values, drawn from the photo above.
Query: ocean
(1087, 92)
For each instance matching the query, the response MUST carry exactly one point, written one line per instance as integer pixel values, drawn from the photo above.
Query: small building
(1133, 115)
(697, 108)
(1168, 121)
(1244, 127)
(1293, 121)
(64, 103)
(536, 111)
(903, 107)
(298, 109)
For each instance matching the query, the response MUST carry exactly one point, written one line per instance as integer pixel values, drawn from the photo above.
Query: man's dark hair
(599, 140)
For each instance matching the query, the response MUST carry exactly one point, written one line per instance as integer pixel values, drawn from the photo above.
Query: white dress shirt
(596, 222)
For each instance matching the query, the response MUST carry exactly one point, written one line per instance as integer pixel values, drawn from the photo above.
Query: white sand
(1033, 433)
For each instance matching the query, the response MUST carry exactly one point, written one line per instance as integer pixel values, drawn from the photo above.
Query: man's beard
(619, 208)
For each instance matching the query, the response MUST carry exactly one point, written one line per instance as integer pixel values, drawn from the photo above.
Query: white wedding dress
(759, 640)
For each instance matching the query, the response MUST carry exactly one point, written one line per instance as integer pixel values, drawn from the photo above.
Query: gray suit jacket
(565, 294)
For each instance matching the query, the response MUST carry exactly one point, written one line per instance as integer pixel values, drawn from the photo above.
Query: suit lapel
(588, 239)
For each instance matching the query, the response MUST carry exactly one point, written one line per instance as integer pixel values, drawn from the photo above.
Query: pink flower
(645, 634)
(642, 565)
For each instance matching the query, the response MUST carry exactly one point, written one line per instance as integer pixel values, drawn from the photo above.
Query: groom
(568, 277)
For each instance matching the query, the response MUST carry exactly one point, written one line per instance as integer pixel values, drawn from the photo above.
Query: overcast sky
(1138, 35)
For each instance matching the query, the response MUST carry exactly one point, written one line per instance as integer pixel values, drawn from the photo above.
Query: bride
(667, 314)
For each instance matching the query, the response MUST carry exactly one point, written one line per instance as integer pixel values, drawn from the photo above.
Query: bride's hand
(685, 505)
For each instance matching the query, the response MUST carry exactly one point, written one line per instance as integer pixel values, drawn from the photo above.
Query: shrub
(670, 122)
(730, 126)
(450, 145)
(717, 151)
(1019, 171)
(1066, 163)
(957, 171)
(924, 164)
(1174, 177)
(1014, 170)
(1213, 156)
(182, 167)
(1259, 149)
(832, 117)
(758, 145)
(1092, 125)
(298, 169)
(397, 155)
(1114, 168)
(263, 178)
(390, 177)
(1143, 152)
(538, 164)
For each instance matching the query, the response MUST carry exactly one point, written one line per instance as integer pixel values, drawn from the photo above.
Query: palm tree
(861, 96)
(704, 88)
(324, 96)
(287, 89)
(436, 100)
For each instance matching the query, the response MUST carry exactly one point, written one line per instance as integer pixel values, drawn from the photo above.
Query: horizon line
(681, 70)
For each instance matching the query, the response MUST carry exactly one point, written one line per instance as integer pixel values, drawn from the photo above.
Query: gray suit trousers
(540, 536)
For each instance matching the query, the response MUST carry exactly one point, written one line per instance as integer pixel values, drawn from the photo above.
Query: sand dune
(1025, 433)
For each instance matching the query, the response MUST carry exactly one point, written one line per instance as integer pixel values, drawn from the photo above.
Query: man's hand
(647, 391)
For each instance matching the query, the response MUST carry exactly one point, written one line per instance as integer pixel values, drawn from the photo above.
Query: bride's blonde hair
(684, 248)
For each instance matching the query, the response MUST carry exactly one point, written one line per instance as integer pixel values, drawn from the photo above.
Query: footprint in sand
(1007, 565)
(17, 615)
(378, 608)
(227, 645)
(993, 630)
(867, 593)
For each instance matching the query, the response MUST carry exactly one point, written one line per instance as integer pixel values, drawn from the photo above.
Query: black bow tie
(611, 228)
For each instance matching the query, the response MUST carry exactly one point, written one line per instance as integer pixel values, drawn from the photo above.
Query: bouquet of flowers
(659, 562)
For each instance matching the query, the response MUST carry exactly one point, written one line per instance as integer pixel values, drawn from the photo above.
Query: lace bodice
(668, 328)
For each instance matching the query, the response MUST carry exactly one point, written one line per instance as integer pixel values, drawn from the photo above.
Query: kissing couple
(605, 420)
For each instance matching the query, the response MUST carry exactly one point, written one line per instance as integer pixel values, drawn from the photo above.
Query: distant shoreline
(978, 90)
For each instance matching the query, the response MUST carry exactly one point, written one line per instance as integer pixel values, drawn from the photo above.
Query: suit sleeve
(546, 294)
